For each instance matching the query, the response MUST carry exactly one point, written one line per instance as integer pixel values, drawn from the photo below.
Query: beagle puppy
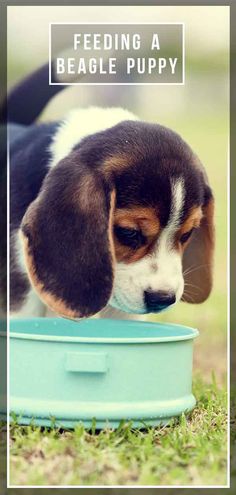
(107, 210)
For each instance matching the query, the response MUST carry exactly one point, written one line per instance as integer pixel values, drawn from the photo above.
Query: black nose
(156, 301)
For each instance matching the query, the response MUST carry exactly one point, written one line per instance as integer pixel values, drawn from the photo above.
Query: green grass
(191, 451)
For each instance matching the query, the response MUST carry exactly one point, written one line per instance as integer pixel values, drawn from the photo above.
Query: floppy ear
(198, 257)
(67, 240)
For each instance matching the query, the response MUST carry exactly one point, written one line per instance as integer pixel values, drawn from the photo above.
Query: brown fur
(198, 259)
(128, 255)
(116, 164)
(110, 228)
(139, 217)
(193, 220)
(146, 220)
(86, 194)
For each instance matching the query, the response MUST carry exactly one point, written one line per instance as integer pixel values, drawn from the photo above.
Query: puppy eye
(186, 236)
(129, 237)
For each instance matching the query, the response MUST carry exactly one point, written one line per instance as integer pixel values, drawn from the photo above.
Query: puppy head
(125, 218)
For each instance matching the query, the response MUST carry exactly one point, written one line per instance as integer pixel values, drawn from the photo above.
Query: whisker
(194, 286)
(188, 269)
(189, 297)
(193, 268)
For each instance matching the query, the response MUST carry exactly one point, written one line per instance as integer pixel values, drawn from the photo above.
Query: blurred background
(198, 111)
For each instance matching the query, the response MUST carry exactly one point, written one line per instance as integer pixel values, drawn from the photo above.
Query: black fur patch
(29, 163)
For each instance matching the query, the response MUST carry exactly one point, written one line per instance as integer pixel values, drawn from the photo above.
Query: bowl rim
(185, 332)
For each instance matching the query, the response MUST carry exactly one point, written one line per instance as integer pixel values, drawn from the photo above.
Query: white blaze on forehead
(177, 202)
(166, 257)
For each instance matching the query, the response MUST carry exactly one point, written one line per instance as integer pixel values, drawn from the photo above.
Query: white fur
(31, 308)
(131, 280)
(83, 122)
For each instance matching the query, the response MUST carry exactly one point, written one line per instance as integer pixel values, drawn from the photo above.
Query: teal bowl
(103, 370)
